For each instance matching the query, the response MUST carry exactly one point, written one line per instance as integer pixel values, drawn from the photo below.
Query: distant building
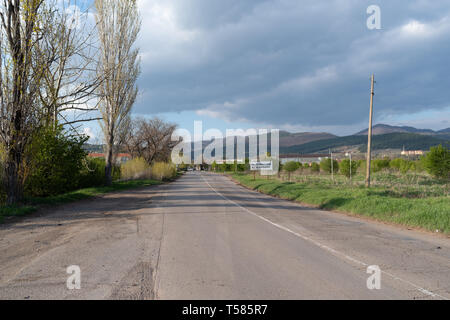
(120, 158)
(413, 153)
(304, 158)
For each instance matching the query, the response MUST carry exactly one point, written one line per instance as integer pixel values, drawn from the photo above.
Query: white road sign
(261, 165)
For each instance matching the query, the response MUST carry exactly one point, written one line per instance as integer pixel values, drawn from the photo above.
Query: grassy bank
(33, 204)
(431, 213)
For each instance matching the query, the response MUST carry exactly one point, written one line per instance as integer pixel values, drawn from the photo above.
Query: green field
(32, 204)
(413, 201)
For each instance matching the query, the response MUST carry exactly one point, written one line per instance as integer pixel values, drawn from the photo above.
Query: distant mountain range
(409, 141)
(294, 139)
(385, 137)
(380, 129)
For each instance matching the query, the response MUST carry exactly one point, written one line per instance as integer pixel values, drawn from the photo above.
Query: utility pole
(350, 168)
(349, 154)
(369, 144)
(332, 166)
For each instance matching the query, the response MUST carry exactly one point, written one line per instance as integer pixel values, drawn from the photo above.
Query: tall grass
(139, 169)
(135, 169)
(163, 171)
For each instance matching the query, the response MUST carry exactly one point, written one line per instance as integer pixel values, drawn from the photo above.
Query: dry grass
(163, 171)
(135, 169)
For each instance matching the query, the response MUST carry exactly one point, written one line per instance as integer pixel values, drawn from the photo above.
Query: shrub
(346, 169)
(437, 162)
(315, 167)
(163, 171)
(402, 165)
(55, 162)
(134, 169)
(92, 173)
(290, 167)
(380, 164)
(396, 164)
(325, 165)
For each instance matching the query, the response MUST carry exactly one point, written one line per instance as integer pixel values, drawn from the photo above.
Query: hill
(381, 129)
(411, 141)
(294, 139)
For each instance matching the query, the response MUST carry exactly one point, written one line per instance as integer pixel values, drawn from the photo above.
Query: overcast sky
(301, 65)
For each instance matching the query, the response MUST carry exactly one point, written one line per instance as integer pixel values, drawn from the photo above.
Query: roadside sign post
(260, 166)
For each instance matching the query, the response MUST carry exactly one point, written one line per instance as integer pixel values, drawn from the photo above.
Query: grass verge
(32, 204)
(431, 213)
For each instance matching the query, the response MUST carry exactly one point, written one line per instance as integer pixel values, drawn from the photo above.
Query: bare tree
(19, 85)
(67, 55)
(151, 139)
(118, 24)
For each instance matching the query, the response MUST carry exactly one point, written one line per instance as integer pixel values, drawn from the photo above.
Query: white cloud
(292, 63)
(90, 133)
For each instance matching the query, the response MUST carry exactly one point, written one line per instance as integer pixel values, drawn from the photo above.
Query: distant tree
(402, 165)
(380, 164)
(150, 139)
(290, 167)
(348, 169)
(315, 167)
(437, 162)
(325, 166)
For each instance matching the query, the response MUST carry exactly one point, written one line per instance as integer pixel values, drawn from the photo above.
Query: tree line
(436, 162)
(62, 65)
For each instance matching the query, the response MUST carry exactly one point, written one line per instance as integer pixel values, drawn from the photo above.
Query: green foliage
(55, 162)
(226, 167)
(93, 173)
(183, 167)
(348, 169)
(402, 165)
(430, 213)
(325, 166)
(291, 166)
(315, 167)
(437, 162)
(380, 164)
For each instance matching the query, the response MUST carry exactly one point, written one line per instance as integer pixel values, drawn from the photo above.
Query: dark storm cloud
(291, 62)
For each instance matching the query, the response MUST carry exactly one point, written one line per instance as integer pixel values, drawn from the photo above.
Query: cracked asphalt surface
(204, 237)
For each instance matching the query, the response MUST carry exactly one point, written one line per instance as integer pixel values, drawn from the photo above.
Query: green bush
(93, 173)
(346, 169)
(315, 167)
(325, 166)
(380, 164)
(402, 165)
(55, 162)
(290, 167)
(437, 162)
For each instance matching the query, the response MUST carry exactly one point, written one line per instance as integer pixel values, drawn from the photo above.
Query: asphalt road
(204, 237)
